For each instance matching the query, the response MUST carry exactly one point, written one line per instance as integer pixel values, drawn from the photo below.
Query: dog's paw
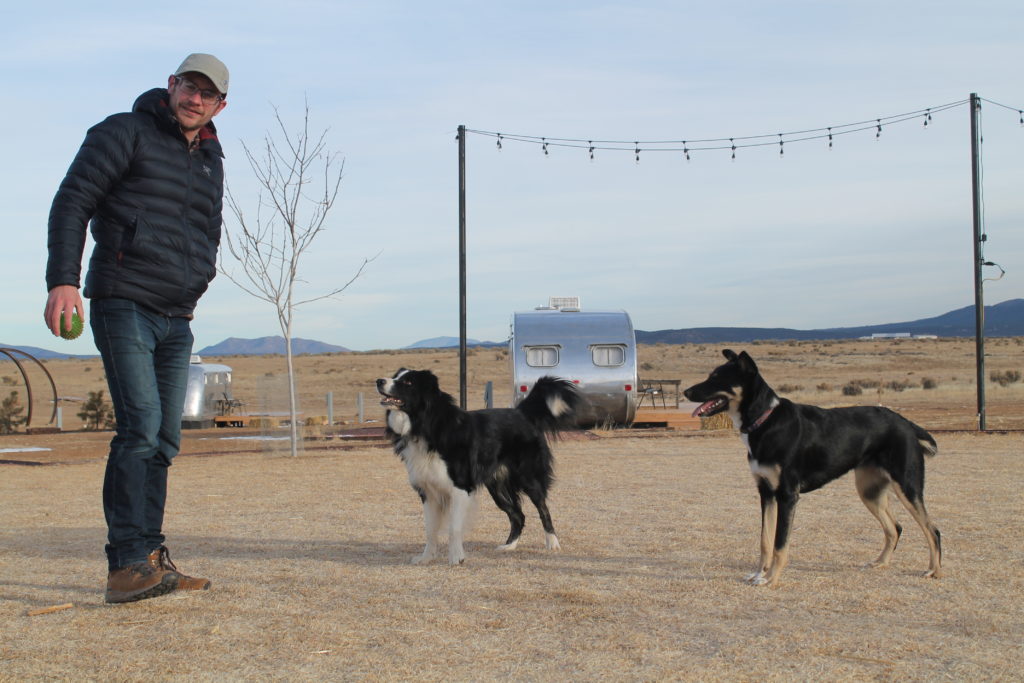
(551, 542)
(932, 574)
(508, 547)
(456, 560)
(756, 578)
(877, 564)
(423, 558)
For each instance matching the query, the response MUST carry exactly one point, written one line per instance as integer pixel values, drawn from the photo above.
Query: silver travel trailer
(594, 349)
(207, 393)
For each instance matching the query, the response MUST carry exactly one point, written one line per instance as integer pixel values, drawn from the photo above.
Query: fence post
(489, 394)
(359, 406)
(330, 408)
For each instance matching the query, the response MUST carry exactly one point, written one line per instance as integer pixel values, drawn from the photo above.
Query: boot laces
(165, 559)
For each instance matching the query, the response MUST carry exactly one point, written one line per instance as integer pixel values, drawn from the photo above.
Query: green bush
(10, 413)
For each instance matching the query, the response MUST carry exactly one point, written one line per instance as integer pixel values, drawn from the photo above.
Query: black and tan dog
(794, 448)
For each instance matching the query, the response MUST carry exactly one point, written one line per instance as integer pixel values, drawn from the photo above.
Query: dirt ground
(309, 559)
(310, 556)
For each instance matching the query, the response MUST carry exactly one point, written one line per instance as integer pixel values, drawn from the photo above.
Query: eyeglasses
(190, 89)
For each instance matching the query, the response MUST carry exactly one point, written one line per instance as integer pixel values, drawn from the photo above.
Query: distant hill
(1001, 320)
(447, 342)
(233, 346)
(46, 354)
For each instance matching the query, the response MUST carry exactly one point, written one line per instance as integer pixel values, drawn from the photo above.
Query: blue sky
(874, 230)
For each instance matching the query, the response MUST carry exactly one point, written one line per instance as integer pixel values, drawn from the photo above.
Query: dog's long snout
(380, 384)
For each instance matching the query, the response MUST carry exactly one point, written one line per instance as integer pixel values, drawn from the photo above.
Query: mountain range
(1005, 319)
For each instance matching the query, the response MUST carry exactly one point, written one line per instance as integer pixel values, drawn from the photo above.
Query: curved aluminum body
(208, 384)
(594, 349)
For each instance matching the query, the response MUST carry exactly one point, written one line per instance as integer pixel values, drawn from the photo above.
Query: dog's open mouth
(391, 402)
(712, 407)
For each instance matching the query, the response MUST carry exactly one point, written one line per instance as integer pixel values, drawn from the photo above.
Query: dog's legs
(508, 502)
(914, 502)
(539, 498)
(433, 516)
(769, 515)
(873, 488)
(786, 501)
(457, 514)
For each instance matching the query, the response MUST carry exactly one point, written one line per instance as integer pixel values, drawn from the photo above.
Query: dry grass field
(932, 381)
(309, 556)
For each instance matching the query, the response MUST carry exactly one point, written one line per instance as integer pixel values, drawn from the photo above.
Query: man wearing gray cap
(150, 185)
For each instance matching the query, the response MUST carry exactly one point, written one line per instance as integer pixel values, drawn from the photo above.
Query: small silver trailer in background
(594, 349)
(207, 394)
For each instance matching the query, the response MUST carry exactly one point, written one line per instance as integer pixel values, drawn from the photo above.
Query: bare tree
(291, 210)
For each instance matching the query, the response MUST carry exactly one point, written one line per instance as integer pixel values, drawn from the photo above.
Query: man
(151, 183)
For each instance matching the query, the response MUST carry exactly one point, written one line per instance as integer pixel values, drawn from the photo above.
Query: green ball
(76, 327)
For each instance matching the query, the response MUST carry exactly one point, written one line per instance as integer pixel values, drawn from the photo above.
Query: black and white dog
(794, 448)
(450, 453)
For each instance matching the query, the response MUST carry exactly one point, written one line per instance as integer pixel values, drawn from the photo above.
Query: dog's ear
(729, 354)
(746, 362)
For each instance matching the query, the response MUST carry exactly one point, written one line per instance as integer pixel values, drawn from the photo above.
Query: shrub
(852, 389)
(824, 386)
(929, 383)
(96, 412)
(789, 388)
(1004, 378)
(10, 413)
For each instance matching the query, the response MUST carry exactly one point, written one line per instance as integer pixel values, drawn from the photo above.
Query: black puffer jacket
(155, 209)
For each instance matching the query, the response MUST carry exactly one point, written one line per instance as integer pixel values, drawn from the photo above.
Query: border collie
(450, 453)
(794, 448)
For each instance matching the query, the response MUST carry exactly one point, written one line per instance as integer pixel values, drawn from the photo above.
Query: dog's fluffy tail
(552, 405)
(928, 446)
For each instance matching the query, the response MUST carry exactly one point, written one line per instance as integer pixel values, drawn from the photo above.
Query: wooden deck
(672, 417)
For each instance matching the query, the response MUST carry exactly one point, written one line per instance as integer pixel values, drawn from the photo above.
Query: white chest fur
(427, 471)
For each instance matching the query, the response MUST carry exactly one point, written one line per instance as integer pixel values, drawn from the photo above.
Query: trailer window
(542, 356)
(608, 355)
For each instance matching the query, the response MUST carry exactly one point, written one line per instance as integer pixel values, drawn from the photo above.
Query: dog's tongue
(703, 408)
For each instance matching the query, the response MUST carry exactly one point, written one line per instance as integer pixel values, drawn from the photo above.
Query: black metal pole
(462, 267)
(979, 299)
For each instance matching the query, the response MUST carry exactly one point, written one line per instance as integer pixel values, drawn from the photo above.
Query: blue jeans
(146, 358)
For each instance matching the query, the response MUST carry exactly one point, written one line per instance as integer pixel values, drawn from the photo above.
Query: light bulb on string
(781, 150)
(591, 143)
(733, 148)
(878, 133)
(544, 145)
(499, 142)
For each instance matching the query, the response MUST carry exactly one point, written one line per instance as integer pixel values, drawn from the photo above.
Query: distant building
(899, 335)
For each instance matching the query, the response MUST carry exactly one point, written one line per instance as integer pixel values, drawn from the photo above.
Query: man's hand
(62, 299)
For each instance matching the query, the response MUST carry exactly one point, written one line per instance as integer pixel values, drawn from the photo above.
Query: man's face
(188, 104)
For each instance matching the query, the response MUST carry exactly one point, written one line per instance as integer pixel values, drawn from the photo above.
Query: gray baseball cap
(209, 66)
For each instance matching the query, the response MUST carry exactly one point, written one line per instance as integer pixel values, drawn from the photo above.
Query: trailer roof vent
(571, 303)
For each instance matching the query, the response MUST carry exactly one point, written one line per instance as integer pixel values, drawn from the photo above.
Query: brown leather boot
(161, 559)
(139, 581)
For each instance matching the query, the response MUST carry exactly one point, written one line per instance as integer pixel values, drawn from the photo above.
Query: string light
(734, 143)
